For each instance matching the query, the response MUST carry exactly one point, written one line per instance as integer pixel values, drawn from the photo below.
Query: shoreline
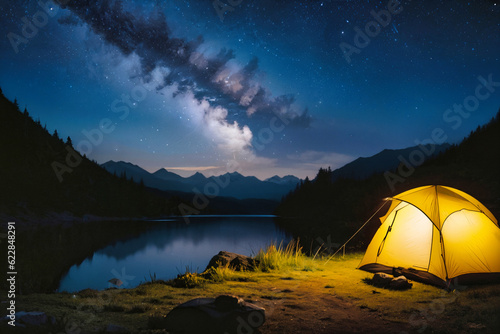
(309, 296)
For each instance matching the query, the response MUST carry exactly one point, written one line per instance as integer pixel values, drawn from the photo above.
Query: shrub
(188, 280)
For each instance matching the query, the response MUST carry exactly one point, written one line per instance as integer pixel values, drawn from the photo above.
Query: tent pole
(343, 246)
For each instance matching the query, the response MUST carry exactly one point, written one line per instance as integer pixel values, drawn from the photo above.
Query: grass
(223, 274)
(284, 281)
(283, 258)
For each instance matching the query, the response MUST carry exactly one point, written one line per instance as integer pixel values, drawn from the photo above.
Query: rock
(111, 328)
(235, 261)
(400, 283)
(224, 314)
(227, 302)
(116, 281)
(381, 280)
(32, 318)
(28, 319)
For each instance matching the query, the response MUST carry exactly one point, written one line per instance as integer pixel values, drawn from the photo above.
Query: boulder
(400, 283)
(381, 280)
(224, 314)
(232, 260)
(33, 318)
(30, 319)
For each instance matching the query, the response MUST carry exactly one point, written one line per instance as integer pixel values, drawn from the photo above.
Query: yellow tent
(436, 234)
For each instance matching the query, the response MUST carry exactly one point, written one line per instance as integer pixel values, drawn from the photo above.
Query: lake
(170, 247)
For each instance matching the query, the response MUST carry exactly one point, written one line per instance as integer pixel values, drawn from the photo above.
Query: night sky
(264, 87)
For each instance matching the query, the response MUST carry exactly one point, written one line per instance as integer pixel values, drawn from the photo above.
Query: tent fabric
(436, 234)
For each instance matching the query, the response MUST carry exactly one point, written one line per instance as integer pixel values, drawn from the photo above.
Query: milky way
(280, 87)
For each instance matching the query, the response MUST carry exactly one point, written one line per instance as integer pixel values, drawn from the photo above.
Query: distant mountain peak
(164, 174)
(162, 171)
(232, 184)
(387, 159)
(197, 177)
(120, 164)
(287, 179)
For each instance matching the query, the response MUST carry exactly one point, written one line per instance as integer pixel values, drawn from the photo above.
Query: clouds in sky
(216, 89)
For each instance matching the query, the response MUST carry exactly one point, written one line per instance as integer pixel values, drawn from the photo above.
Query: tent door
(408, 239)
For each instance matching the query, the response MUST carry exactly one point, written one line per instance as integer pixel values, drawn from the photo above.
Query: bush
(188, 280)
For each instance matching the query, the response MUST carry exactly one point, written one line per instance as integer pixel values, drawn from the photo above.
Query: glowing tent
(435, 234)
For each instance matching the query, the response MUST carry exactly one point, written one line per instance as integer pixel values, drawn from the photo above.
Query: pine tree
(16, 105)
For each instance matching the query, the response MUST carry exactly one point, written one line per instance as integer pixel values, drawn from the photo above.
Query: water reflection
(168, 248)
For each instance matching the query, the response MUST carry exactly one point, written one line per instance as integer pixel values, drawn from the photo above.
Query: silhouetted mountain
(240, 186)
(363, 168)
(167, 176)
(227, 185)
(285, 180)
(159, 180)
(333, 207)
(196, 178)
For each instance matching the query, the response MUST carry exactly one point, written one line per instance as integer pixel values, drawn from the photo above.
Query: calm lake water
(169, 248)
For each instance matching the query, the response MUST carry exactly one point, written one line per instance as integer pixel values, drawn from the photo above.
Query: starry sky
(262, 87)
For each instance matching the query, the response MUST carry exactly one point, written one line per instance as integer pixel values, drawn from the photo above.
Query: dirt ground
(310, 308)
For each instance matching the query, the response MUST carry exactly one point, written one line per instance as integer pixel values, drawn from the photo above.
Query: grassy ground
(300, 295)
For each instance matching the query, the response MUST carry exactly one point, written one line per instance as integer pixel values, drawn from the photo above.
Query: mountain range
(248, 187)
(42, 173)
(44, 180)
(226, 185)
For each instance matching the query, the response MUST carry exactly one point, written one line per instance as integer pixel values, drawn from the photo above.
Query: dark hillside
(322, 207)
(32, 158)
(363, 168)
